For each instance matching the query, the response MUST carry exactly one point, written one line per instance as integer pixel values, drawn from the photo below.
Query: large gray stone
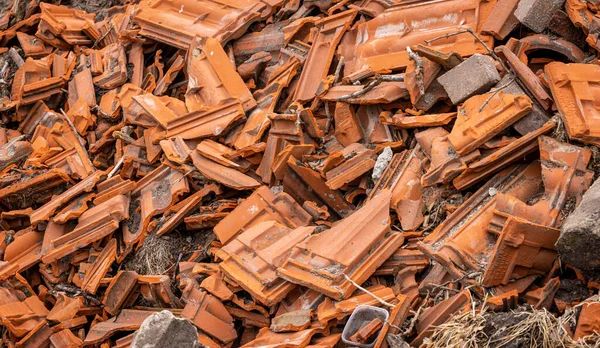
(536, 14)
(475, 75)
(164, 330)
(579, 240)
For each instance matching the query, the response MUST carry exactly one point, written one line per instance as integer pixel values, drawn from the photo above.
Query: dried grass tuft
(523, 327)
(155, 256)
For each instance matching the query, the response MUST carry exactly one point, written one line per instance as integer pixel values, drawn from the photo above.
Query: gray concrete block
(475, 75)
(579, 239)
(536, 14)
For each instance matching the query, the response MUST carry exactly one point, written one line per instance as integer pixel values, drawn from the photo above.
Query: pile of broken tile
(418, 156)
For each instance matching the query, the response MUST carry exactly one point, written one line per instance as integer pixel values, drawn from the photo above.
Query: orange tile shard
(252, 258)
(353, 248)
(575, 90)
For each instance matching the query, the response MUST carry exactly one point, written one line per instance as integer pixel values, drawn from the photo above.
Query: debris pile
(299, 173)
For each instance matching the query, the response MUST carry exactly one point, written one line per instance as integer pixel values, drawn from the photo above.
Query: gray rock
(382, 161)
(579, 239)
(164, 330)
(475, 75)
(536, 14)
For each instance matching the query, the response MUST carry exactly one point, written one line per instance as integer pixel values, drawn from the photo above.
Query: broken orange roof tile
(80, 116)
(273, 147)
(361, 162)
(115, 70)
(501, 20)
(112, 187)
(32, 46)
(215, 285)
(331, 29)
(22, 317)
(403, 258)
(66, 23)
(380, 43)
(565, 176)
(38, 337)
(209, 315)
(398, 315)
(269, 339)
(462, 239)
(64, 309)
(527, 77)
(439, 314)
(22, 253)
(33, 82)
(383, 93)
(47, 210)
(511, 153)
(445, 164)
(82, 87)
(213, 79)
(127, 320)
(252, 259)
(504, 302)
(402, 177)
(328, 252)
(74, 209)
(476, 124)
(347, 127)
(222, 174)
(542, 298)
(110, 105)
(163, 84)
(65, 338)
(588, 322)
(418, 83)
(573, 88)
(120, 288)
(163, 22)
(40, 187)
(280, 166)
(559, 45)
(175, 214)
(221, 154)
(156, 289)
(150, 106)
(153, 194)
(286, 127)
(261, 206)
(208, 122)
(404, 121)
(176, 150)
(300, 176)
(249, 318)
(523, 248)
(13, 152)
(93, 225)
(99, 268)
(267, 98)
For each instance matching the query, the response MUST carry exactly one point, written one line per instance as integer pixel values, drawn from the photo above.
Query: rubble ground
(253, 173)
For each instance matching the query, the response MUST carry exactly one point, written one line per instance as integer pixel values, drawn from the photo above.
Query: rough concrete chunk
(536, 14)
(164, 330)
(531, 122)
(579, 240)
(475, 75)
